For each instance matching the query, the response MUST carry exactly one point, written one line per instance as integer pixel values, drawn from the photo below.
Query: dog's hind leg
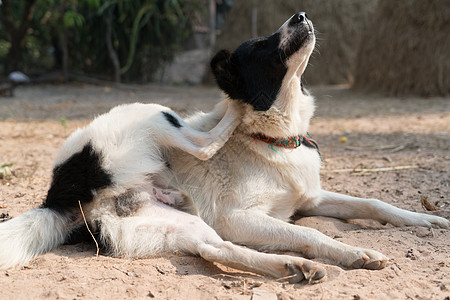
(348, 207)
(197, 237)
(159, 228)
(203, 145)
(294, 269)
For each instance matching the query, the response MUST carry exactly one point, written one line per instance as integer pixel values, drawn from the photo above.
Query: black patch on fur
(76, 179)
(253, 73)
(82, 235)
(172, 120)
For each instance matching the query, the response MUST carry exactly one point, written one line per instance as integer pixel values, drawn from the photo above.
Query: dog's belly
(240, 178)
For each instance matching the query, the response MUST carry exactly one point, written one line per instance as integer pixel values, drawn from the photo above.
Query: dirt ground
(381, 134)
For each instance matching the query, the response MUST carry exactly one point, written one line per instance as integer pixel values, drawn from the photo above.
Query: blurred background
(394, 47)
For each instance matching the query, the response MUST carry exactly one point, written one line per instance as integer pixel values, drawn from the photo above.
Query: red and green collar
(290, 142)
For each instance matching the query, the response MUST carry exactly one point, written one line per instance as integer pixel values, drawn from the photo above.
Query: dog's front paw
(424, 220)
(304, 270)
(439, 222)
(359, 258)
(432, 221)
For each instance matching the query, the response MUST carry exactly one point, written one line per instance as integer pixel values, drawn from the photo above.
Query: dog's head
(255, 71)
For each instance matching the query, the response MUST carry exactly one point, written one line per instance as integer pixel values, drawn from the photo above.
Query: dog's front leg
(348, 207)
(256, 229)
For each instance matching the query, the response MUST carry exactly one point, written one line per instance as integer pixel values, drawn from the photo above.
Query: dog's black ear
(227, 75)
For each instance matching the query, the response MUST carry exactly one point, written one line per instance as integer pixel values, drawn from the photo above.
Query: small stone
(259, 294)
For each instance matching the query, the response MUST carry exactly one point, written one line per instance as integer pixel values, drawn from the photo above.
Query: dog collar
(290, 142)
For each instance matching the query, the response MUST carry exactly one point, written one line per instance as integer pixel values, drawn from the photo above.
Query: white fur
(30, 234)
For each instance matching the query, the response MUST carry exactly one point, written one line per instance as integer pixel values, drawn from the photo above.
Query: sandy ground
(381, 133)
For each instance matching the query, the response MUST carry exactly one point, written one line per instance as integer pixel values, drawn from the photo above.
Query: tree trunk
(65, 53)
(212, 22)
(56, 44)
(16, 34)
(112, 52)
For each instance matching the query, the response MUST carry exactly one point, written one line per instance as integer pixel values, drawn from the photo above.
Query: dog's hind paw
(304, 270)
(206, 153)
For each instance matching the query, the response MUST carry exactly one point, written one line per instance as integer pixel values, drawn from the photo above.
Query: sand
(381, 134)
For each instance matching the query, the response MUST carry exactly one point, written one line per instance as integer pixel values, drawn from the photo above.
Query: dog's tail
(30, 234)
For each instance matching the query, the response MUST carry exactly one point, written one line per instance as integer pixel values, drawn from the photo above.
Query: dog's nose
(299, 18)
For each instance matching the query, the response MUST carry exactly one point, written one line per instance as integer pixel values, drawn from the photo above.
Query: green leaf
(64, 122)
(149, 8)
(73, 19)
(93, 3)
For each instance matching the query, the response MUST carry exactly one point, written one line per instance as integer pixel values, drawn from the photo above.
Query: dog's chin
(299, 59)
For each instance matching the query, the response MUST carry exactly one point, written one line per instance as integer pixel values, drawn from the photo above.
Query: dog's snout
(299, 18)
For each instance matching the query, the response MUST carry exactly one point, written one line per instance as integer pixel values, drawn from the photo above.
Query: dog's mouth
(296, 33)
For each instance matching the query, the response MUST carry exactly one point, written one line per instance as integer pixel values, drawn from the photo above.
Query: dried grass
(367, 170)
(87, 226)
(406, 49)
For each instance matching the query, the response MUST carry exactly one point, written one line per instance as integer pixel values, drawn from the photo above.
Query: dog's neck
(289, 116)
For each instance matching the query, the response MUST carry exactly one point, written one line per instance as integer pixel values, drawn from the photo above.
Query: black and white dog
(126, 163)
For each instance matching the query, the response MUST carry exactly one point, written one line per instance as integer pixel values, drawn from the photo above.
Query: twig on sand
(286, 277)
(393, 148)
(87, 226)
(240, 277)
(228, 275)
(362, 170)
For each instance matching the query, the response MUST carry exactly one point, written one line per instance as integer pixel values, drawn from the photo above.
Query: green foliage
(64, 122)
(73, 19)
(145, 34)
(4, 46)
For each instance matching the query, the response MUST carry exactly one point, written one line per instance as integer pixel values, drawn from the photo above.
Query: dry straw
(87, 226)
(406, 49)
